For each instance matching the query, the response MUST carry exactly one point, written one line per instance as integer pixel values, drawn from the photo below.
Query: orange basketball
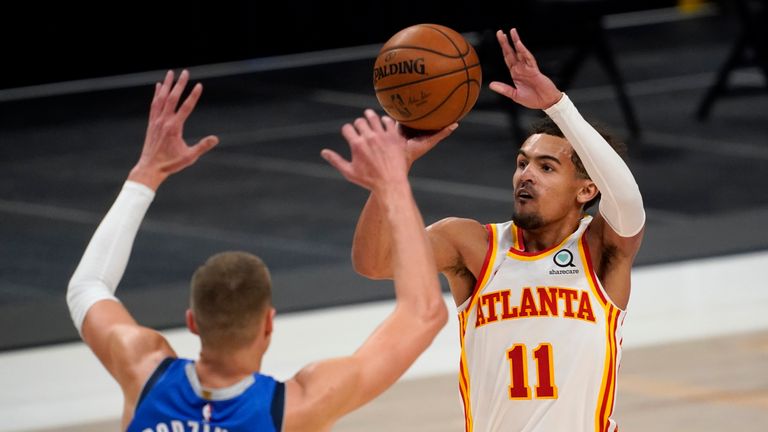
(427, 76)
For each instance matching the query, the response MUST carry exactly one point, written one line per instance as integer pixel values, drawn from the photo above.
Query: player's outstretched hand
(419, 145)
(532, 89)
(379, 155)
(165, 151)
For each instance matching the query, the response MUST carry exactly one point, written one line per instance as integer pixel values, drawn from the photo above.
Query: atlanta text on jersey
(552, 302)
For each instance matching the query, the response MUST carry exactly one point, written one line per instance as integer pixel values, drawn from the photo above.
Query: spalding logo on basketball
(427, 77)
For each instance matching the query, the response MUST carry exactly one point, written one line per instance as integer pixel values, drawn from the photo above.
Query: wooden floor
(709, 385)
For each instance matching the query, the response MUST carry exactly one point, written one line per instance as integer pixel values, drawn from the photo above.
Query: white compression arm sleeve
(621, 203)
(104, 261)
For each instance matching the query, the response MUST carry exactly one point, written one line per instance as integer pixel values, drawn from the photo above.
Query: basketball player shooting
(231, 309)
(541, 298)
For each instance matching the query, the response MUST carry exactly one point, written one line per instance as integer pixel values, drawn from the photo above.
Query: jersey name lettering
(181, 426)
(543, 302)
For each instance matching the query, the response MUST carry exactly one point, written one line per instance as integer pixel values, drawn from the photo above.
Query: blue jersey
(174, 401)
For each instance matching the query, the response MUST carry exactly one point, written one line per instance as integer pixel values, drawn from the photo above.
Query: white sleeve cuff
(106, 257)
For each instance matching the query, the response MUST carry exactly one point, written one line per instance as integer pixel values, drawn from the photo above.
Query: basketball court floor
(696, 337)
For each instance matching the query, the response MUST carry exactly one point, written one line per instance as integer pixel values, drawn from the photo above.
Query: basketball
(427, 77)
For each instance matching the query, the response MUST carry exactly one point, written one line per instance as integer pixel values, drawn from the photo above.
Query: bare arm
(372, 242)
(127, 350)
(322, 392)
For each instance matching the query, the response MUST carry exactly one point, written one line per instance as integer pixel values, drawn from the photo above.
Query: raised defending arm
(322, 392)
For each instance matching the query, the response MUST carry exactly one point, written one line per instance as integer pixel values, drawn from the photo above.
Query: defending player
(231, 309)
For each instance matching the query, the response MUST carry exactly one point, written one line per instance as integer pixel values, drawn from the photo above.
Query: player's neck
(550, 235)
(218, 369)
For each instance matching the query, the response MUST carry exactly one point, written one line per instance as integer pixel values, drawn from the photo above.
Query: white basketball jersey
(540, 339)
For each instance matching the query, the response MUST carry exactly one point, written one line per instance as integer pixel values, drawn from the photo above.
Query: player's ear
(269, 321)
(587, 191)
(191, 325)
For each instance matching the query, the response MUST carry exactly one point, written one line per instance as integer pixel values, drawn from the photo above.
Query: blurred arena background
(684, 82)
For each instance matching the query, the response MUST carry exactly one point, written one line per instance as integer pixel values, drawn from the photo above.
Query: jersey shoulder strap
(278, 405)
(159, 371)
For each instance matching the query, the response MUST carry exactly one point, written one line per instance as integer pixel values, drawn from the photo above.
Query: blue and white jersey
(173, 400)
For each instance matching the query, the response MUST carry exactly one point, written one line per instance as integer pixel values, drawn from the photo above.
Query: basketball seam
(428, 78)
(418, 48)
(466, 69)
(451, 40)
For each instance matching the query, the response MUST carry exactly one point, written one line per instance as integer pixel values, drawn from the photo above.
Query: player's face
(545, 181)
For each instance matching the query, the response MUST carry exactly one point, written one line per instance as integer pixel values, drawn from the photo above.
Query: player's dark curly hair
(547, 126)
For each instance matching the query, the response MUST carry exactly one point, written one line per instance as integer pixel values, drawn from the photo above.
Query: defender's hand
(165, 152)
(379, 153)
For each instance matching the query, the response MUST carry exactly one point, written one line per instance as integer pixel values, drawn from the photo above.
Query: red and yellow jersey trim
(464, 375)
(482, 280)
(606, 396)
(490, 258)
(517, 250)
(586, 260)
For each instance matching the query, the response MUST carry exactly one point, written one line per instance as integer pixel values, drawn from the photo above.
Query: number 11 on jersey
(518, 371)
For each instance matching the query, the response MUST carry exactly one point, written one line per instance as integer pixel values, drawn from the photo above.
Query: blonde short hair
(229, 293)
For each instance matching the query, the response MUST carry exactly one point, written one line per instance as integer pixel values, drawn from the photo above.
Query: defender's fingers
(349, 133)
(389, 123)
(190, 102)
(342, 165)
(205, 145)
(362, 125)
(175, 95)
(165, 88)
(373, 120)
(155, 105)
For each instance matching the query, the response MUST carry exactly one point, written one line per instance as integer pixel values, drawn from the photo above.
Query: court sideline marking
(64, 214)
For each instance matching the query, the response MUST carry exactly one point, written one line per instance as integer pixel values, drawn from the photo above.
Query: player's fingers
(342, 165)
(190, 102)
(173, 97)
(162, 94)
(165, 88)
(362, 125)
(349, 133)
(423, 144)
(444, 132)
(205, 145)
(513, 37)
(521, 49)
(154, 107)
(389, 123)
(509, 54)
(373, 120)
(503, 89)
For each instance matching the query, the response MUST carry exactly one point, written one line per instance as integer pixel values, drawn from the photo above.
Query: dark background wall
(70, 40)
